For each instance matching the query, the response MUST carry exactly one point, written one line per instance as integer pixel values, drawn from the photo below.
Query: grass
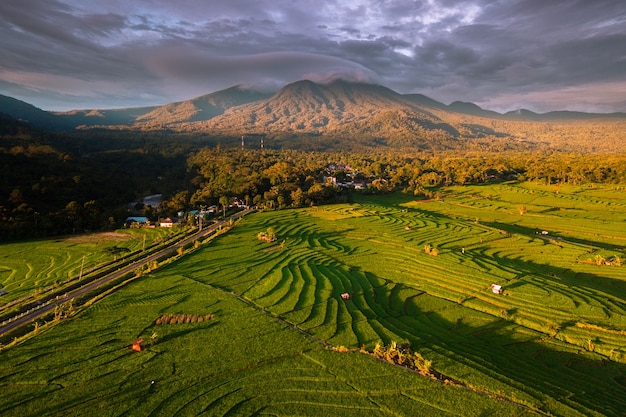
(242, 362)
(553, 341)
(27, 268)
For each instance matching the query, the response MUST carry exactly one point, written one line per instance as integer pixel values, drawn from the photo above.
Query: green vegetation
(53, 185)
(33, 267)
(553, 341)
(241, 362)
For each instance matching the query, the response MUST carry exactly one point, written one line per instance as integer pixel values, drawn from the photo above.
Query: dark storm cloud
(499, 54)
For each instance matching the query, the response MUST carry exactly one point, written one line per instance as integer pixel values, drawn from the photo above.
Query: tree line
(52, 186)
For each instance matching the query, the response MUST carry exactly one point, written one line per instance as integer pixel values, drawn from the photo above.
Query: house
(345, 296)
(167, 222)
(137, 220)
(496, 289)
(3, 292)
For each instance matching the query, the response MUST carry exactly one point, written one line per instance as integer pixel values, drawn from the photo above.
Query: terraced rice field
(556, 317)
(241, 363)
(28, 267)
(555, 340)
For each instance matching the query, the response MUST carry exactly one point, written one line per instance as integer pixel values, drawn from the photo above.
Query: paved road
(31, 315)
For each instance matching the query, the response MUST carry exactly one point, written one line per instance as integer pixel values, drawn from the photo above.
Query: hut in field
(345, 296)
(137, 345)
(497, 289)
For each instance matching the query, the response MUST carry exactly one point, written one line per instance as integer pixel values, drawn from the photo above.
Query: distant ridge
(523, 114)
(339, 113)
(158, 117)
(25, 112)
(201, 108)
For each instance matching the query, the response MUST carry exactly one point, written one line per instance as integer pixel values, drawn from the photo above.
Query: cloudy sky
(501, 54)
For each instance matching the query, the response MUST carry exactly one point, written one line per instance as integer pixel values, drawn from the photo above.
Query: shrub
(182, 318)
(429, 249)
(268, 236)
(402, 355)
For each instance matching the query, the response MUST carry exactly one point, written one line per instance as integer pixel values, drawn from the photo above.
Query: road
(29, 316)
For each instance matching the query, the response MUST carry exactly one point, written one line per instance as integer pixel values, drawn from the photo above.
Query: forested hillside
(277, 151)
(54, 184)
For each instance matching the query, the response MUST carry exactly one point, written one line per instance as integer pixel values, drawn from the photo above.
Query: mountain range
(340, 110)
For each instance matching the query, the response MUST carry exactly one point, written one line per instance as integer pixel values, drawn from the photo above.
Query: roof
(152, 200)
(138, 219)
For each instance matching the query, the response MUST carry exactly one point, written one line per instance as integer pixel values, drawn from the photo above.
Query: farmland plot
(30, 267)
(416, 272)
(240, 362)
(556, 337)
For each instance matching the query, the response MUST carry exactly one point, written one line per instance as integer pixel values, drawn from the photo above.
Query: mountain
(308, 106)
(339, 114)
(339, 109)
(523, 114)
(103, 118)
(422, 100)
(25, 112)
(199, 109)
(472, 109)
(162, 117)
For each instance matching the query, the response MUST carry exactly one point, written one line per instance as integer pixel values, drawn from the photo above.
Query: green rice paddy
(554, 341)
(30, 267)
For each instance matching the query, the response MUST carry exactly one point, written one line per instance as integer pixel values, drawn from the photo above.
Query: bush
(182, 318)
(402, 355)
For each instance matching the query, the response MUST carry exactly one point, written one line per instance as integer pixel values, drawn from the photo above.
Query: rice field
(554, 341)
(242, 362)
(27, 268)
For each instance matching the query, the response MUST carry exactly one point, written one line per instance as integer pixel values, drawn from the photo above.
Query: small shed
(137, 345)
(345, 296)
(497, 289)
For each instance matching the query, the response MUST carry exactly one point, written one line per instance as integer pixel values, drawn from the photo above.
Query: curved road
(31, 315)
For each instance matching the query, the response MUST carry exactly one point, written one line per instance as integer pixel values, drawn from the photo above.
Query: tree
(180, 201)
(116, 250)
(224, 202)
(297, 197)
(73, 211)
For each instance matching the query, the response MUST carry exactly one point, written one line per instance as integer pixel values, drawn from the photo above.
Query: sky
(503, 55)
